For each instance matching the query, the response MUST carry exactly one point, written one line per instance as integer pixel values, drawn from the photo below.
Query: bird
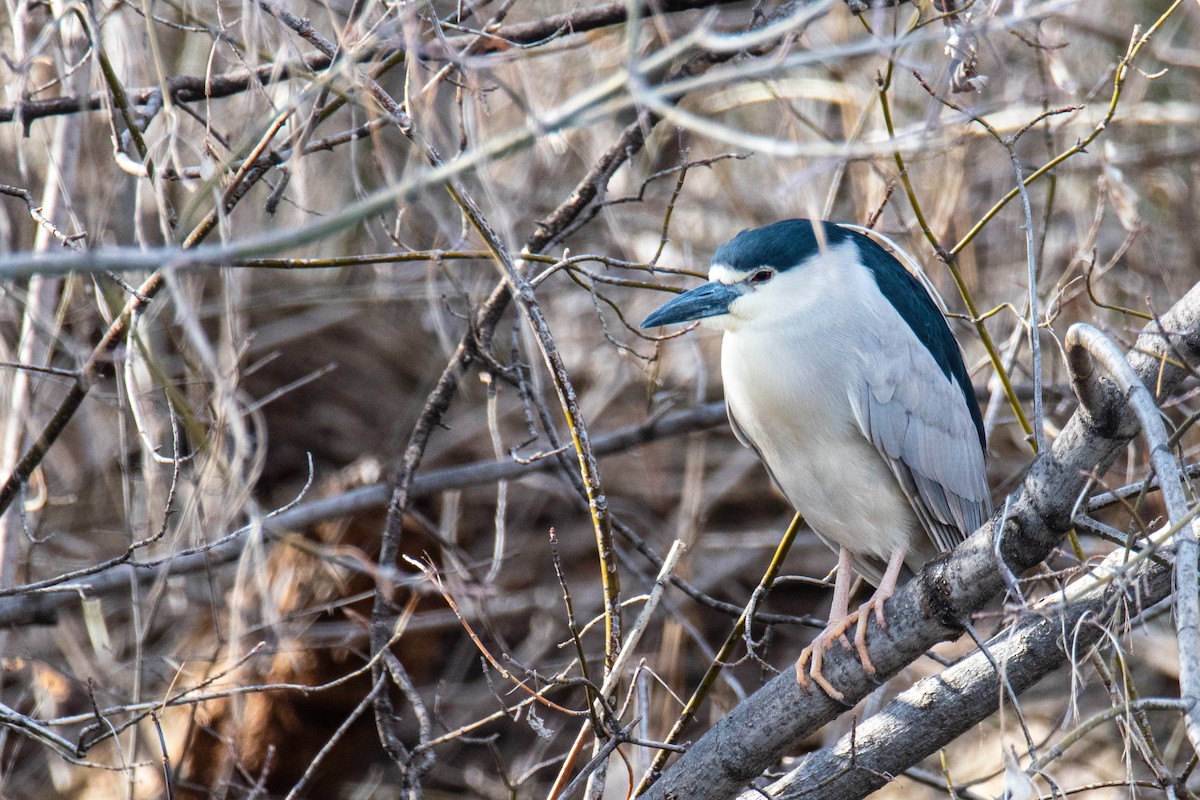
(842, 375)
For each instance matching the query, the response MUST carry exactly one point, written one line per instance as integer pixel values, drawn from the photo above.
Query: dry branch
(40, 603)
(938, 709)
(196, 88)
(1085, 344)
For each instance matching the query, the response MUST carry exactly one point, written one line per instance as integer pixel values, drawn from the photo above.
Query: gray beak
(710, 300)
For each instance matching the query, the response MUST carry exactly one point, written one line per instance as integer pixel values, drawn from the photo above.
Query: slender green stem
(948, 258)
(1081, 145)
(722, 657)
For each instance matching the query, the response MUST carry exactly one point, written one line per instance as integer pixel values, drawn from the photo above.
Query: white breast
(789, 374)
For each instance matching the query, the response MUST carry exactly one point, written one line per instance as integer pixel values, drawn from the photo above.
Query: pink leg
(887, 586)
(839, 620)
(841, 587)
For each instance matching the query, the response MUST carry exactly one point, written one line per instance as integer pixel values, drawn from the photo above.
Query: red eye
(762, 276)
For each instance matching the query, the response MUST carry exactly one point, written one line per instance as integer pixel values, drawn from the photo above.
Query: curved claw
(819, 677)
(862, 616)
(860, 633)
(801, 664)
(816, 652)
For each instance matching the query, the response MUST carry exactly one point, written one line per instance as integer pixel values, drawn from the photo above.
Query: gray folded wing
(918, 419)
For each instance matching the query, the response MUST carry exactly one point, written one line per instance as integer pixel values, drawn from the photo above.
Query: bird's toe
(815, 653)
(818, 675)
(860, 643)
(877, 603)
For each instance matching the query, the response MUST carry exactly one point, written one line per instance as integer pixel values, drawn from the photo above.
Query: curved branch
(1085, 343)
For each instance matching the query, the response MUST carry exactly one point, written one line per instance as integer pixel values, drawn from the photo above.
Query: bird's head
(764, 278)
(758, 276)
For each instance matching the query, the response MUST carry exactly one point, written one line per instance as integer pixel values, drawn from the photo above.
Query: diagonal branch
(940, 708)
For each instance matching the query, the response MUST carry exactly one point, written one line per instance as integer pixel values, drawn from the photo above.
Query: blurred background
(239, 410)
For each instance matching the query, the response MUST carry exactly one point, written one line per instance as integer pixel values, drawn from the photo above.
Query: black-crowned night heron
(841, 374)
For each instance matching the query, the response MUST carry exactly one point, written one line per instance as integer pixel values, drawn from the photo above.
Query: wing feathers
(919, 421)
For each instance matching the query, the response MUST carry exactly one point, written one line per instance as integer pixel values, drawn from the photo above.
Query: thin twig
(706, 683)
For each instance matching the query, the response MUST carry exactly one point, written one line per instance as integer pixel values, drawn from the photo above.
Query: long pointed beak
(710, 300)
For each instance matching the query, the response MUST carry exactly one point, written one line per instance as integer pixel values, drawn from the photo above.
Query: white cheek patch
(726, 274)
(733, 319)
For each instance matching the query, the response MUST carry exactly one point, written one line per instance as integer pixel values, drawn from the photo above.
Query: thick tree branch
(933, 607)
(940, 708)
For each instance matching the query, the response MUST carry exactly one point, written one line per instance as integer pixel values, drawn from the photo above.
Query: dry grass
(243, 381)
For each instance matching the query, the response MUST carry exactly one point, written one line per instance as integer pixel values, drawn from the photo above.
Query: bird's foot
(815, 653)
(861, 617)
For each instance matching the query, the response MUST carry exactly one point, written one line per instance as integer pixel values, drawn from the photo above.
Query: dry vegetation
(267, 290)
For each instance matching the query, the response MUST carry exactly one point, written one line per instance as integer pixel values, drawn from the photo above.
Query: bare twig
(694, 702)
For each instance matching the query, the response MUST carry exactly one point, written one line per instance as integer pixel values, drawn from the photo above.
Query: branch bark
(940, 708)
(934, 607)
